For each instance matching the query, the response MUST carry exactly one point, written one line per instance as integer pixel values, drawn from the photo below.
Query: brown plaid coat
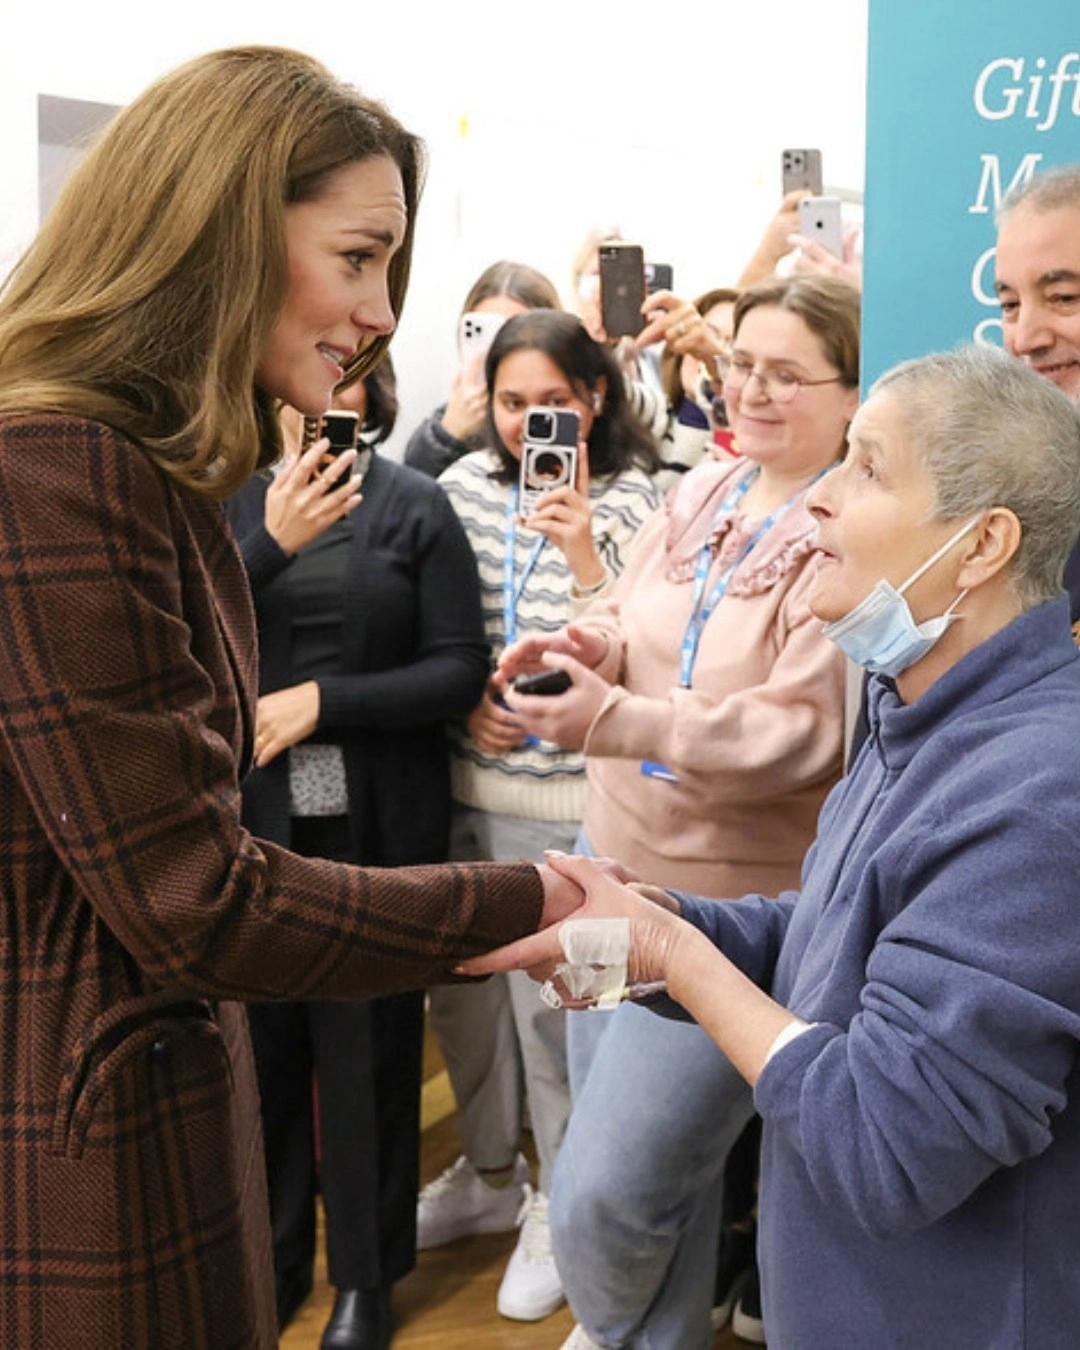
(132, 1210)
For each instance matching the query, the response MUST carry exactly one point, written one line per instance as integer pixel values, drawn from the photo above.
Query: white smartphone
(476, 332)
(819, 221)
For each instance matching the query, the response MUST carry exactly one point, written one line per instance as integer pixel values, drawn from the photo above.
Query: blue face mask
(881, 634)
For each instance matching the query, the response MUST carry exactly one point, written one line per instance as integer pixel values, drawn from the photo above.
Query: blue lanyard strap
(513, 586)
(704, 606)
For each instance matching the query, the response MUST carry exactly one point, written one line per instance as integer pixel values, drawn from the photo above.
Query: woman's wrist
(591, 580)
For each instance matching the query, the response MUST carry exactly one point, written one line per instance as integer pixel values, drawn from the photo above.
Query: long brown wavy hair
(152, 287)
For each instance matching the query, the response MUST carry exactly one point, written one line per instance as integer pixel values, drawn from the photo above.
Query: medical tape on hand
(596, 952)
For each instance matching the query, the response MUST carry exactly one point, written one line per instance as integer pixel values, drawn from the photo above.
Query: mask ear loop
(959, 600)
(936, 557)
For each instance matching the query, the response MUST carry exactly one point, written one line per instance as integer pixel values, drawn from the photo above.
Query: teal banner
(964, 99)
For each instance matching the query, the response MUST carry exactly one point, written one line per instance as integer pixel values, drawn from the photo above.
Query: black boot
(360, 1321)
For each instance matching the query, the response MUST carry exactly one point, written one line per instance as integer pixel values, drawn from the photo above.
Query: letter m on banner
(989, 196)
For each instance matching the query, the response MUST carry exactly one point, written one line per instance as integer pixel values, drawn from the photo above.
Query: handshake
(603, 936)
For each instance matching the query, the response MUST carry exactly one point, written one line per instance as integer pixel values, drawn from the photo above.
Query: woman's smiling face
(340, 246)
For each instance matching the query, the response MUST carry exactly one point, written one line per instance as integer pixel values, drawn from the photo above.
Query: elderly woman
(910, 1019)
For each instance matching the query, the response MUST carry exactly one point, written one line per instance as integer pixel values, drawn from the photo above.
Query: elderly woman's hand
(655, 929)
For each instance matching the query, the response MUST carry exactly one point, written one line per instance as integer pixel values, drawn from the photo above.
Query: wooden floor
(448, 1302)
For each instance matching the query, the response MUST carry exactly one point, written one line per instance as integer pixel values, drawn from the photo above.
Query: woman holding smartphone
(498, 293)
(513, 796)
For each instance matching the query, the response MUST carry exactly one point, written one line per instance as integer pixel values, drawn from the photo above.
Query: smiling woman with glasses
(779, 386)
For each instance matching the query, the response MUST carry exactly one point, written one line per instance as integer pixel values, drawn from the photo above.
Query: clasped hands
(593, 888)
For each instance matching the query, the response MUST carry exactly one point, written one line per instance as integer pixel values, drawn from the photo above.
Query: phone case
(622, 289)
(548, 454)
(342, 427)
(476, 332)
(801, 169)
(820, 221)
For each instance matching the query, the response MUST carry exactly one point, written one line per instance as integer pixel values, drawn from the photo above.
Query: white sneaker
(579, 1339)
(531, 1287)
(460, 1203)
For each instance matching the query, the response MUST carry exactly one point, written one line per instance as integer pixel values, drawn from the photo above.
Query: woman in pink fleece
(710, 708)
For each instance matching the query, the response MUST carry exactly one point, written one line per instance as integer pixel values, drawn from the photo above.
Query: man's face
(1038, 284)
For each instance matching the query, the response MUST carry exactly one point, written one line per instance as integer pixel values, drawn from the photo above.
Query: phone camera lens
(541, 426)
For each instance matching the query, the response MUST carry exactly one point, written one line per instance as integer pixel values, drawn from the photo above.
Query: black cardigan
(414, 654)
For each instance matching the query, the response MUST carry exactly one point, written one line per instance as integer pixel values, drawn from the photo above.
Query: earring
(597, 403)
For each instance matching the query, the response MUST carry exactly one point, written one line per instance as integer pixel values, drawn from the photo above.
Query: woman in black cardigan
(370, 635)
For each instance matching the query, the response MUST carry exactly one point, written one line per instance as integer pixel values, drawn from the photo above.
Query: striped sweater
(538, 782)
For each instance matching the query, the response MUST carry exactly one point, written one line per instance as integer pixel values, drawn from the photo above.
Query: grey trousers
(501, 1045)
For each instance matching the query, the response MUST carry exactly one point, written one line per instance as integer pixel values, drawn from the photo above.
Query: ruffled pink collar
(691, 509)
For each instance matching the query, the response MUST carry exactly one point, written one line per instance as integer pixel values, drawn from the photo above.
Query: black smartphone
(622, 289)
(658, 277)
(342, 428)
(801, 169)
(546, 682)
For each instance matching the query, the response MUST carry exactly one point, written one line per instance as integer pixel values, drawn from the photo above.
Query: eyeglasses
(779, 386)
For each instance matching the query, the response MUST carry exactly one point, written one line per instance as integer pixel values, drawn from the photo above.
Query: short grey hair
(1056, 189)
(990, 432)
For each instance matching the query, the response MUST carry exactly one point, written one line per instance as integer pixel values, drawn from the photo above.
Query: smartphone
(342, 429)
(819, 220)
(476, 332)
(546, 682)
(548, 454)
(658, 277)
(622, 289)
(801, 169)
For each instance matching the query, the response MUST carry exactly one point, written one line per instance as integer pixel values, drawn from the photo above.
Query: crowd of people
(277, 783)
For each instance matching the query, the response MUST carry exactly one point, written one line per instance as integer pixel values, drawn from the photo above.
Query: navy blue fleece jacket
(921, 1157)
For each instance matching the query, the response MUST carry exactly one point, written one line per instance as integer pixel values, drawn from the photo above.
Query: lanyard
(513, 586)
(704, 606)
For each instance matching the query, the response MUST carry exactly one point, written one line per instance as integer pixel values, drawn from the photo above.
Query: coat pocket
(108, 1083)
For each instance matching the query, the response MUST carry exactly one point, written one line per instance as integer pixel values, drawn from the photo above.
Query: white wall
(541, 121)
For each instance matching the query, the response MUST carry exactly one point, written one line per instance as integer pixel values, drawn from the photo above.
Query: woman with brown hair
(239, 237)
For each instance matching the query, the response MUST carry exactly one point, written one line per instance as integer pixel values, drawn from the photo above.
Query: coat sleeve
(124, 723)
